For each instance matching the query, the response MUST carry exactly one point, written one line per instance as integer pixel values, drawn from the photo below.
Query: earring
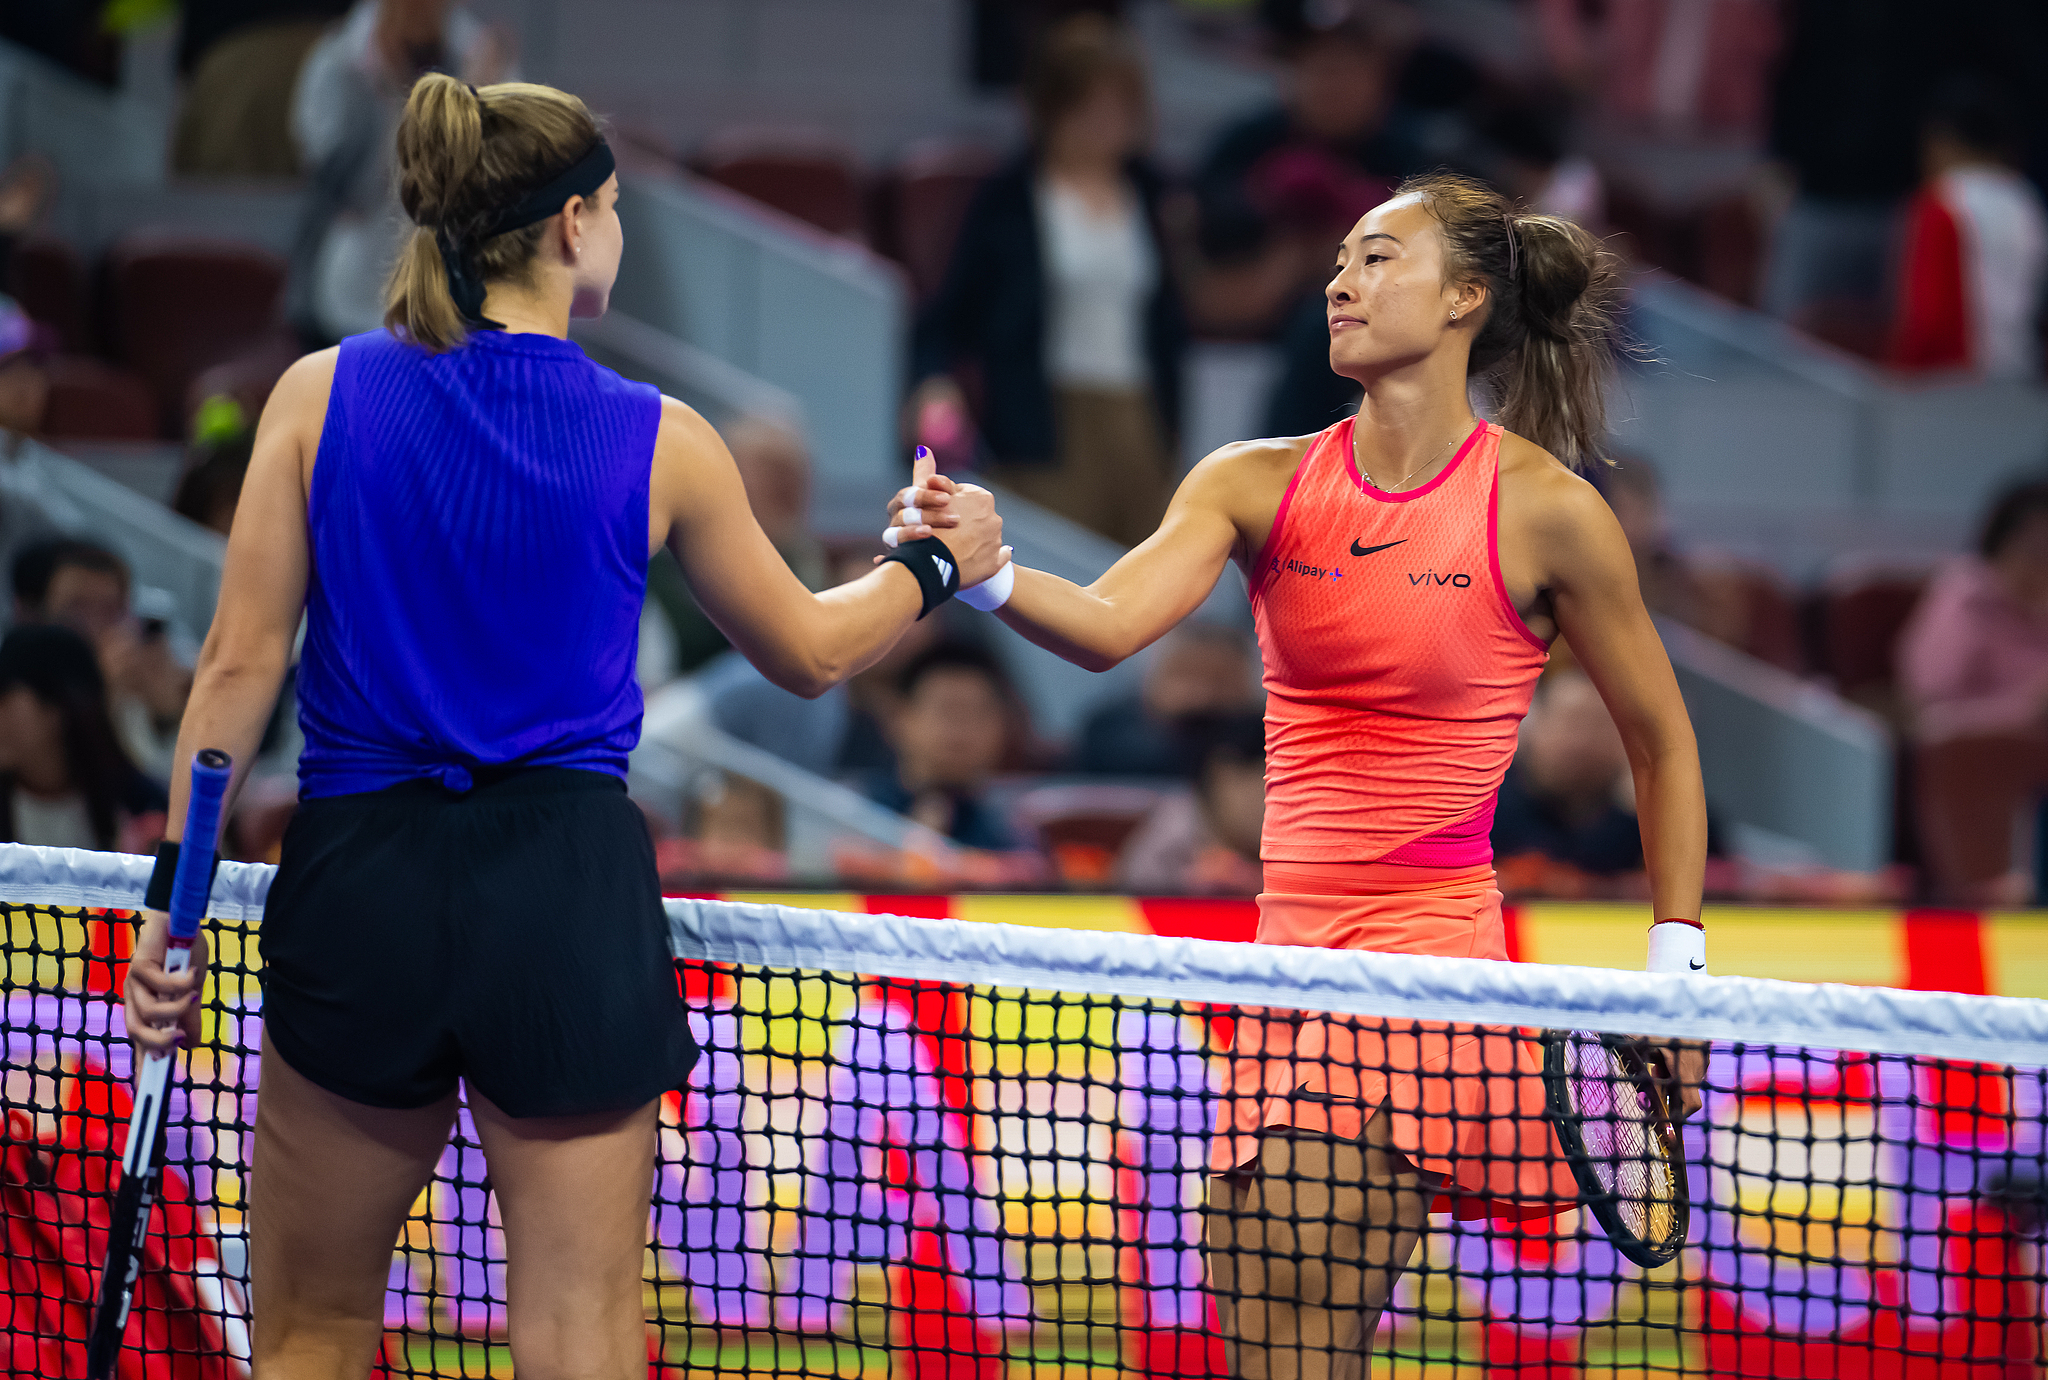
(1454, 316)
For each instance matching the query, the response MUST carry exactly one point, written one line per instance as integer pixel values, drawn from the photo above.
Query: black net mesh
(889, 1178)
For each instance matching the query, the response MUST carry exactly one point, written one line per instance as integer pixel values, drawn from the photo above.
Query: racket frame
(1638, 1057)
(142, 1156)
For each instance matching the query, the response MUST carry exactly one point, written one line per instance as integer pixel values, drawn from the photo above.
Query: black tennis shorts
(512, 936)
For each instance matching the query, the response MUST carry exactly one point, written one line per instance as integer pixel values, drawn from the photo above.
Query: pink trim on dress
(1257, 580)
(1375, 492)
(1500, 583)
(1468, 843)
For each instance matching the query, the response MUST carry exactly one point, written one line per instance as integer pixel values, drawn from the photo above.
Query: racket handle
(211, 770)
(147, 1119)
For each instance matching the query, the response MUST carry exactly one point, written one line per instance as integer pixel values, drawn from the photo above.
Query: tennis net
(928, 1147)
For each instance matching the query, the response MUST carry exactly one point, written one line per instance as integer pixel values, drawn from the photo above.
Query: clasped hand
(963, 516)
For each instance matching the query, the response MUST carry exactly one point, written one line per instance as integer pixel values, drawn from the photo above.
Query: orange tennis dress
(1397, 673)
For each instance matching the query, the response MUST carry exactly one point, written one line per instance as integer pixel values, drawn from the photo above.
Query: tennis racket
(1609, 1096)
(142, 1159)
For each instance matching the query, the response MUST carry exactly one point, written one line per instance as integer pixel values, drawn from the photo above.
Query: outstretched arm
(1139, 599)
(804, 642)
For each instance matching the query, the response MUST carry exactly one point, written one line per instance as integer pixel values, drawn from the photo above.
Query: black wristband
(938, 574)
(157, 896)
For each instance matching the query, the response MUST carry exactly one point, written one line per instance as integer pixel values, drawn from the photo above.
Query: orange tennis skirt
(1466, 1101)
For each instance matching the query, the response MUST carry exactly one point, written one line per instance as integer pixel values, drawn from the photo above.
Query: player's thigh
(330, 1185)
(573, 1193)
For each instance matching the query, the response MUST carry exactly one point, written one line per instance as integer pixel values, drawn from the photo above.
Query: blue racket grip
(190, 886)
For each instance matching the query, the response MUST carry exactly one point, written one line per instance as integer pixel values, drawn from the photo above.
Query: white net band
(1880, 1020)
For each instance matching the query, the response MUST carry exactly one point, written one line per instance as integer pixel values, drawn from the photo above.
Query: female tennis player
(463, 507)
(1408, 569)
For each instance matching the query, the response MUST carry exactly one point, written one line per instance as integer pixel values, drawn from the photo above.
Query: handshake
(961, 518)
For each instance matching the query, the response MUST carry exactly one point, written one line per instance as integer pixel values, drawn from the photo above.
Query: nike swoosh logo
(1358, 550)
(1696, 964)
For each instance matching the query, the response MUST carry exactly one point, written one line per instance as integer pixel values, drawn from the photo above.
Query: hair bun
(1556, 267)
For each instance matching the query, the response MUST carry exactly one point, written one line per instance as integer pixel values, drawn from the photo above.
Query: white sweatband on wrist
(1677, 946)
(992, 593)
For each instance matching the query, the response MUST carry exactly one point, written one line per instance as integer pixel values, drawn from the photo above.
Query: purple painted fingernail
(923, 453)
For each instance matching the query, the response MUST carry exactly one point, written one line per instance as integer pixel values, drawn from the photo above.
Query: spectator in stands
(1060, 299)
(1851, 88)
(27, 185)
(1207, 841)
(733, 830)
(1976, 243)
(211, 488)
(64, 780)
(1569, 798)
(1198, 668)
(1278, 188)
(950, 736)
(241, 60)
(83, 586)
(808, 733)
(24, 383)
(1973, 662)
(344, 119)
(775, 465)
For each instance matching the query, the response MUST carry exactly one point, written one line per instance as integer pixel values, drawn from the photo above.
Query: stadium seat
(1083, 827)
(1767, 622)
(177, 304)
(811, 178)
(48, 278)
(1864, 605)
(93, 401)
(923, 201)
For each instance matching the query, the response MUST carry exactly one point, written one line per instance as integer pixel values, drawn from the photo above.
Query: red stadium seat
(923, 203)
(1764, 612)
(49, 280)
(94, 401)
(813, 179)
(1864, 605)
(177, 304)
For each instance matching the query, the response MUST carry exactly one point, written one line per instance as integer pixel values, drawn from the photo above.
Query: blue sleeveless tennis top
(478, 522)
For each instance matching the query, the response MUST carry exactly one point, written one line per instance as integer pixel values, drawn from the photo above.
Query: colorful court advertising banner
(952, 1175)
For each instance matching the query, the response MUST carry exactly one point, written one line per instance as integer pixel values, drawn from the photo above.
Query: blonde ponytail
(1546, 350)
(463, 153)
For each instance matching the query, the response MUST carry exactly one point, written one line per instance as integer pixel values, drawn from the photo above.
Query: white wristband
(1677, 946)
(992, 593)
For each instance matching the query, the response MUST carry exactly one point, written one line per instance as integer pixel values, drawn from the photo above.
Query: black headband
(580, 178)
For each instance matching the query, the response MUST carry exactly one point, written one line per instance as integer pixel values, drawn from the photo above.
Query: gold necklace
(1404, 482)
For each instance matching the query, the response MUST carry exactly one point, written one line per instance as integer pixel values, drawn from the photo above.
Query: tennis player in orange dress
(1408, 568)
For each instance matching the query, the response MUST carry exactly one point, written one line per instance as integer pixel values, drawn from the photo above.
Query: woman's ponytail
(1546, 348)
(440, 139)
(462, 155)
(1554, 391)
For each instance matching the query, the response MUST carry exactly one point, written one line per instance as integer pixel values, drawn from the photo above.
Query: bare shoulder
(1253, 473)
(303, 388)
(683, 424)
(685, 440)
(1544, 496)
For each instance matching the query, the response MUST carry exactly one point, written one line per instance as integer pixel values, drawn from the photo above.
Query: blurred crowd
(1868, 173)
